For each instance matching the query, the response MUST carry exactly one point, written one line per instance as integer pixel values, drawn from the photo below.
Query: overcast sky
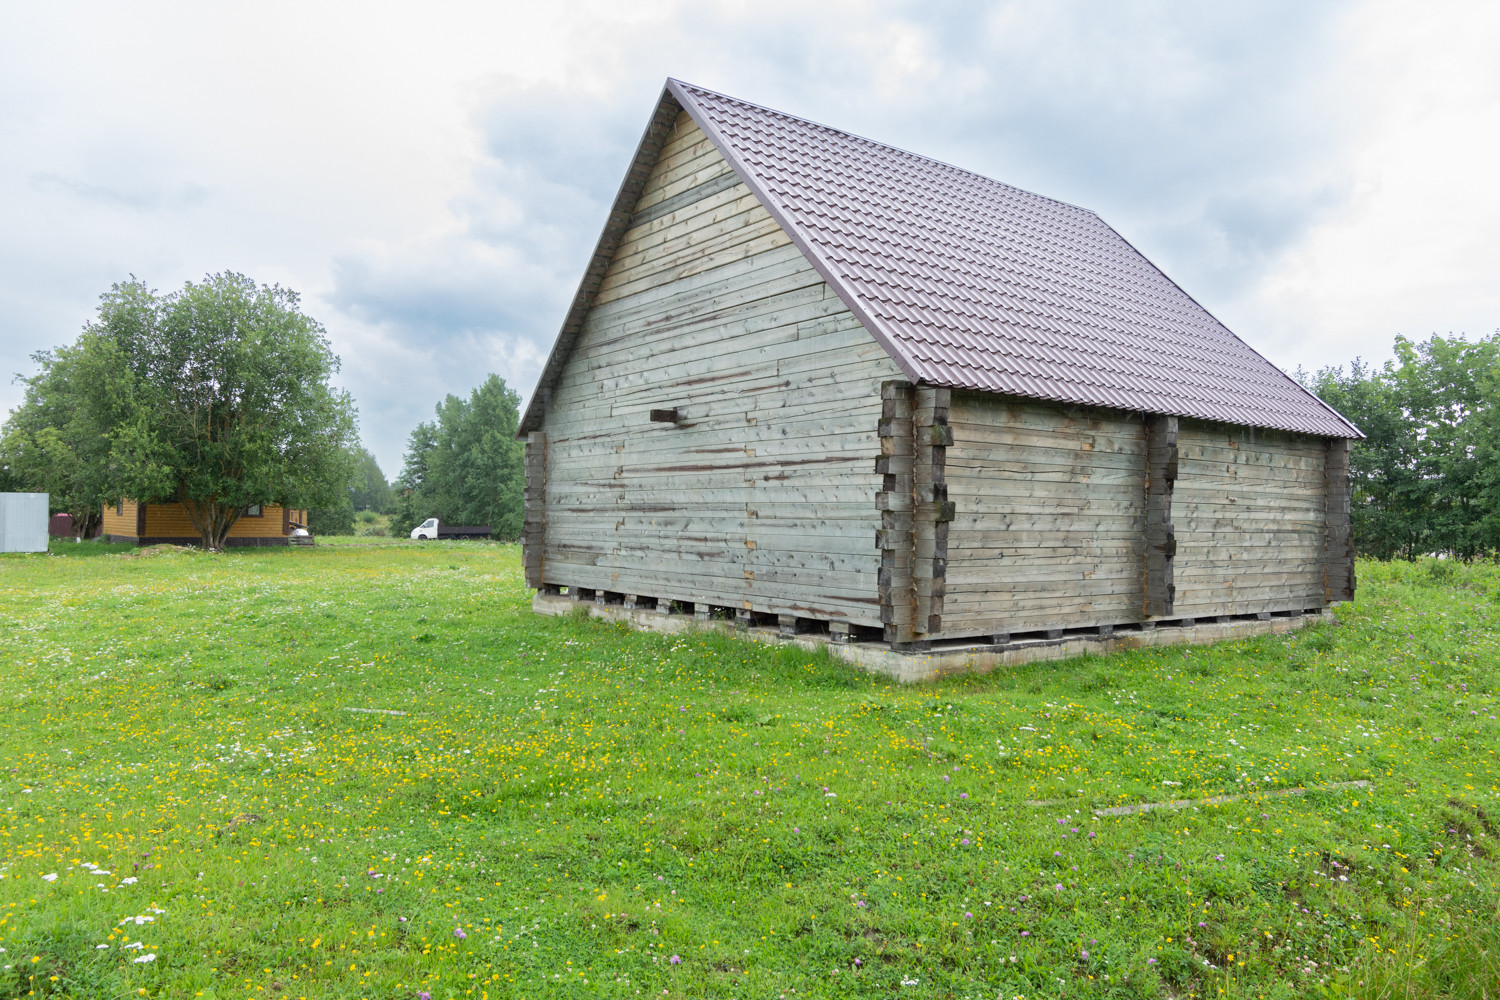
(431, 178)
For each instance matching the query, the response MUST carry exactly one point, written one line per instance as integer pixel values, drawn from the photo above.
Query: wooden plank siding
(1250, 512)
(1054, 529)
(170, 523)
(119, 521)
(1048, 528)
(761, 494)
(535, 522)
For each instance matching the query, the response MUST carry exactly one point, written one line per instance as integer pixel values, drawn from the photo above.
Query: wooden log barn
(813, 380)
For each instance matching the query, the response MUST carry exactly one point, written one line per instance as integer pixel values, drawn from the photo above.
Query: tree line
(1426, 478)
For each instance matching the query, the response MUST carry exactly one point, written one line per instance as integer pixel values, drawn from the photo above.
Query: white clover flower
(134, 946)
(146, 958)
(132, 880)
(50, 877)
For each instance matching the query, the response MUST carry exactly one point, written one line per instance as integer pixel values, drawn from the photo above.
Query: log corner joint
(1159, 590)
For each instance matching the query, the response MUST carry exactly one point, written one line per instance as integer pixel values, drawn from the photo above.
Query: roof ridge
(882, 145)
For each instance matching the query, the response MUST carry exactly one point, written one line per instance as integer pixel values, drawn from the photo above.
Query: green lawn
(367, 770)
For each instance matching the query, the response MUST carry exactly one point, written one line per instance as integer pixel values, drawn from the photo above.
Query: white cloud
(1416, 248)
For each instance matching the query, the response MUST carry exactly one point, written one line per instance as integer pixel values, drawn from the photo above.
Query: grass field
(367, 770)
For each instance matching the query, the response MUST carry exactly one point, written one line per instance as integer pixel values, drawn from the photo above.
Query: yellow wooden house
(168, 523)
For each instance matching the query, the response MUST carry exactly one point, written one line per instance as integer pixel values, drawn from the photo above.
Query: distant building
(66, 526)
(168, 523)
(810, 376)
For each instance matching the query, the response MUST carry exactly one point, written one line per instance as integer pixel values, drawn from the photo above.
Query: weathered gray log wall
(755, 489)
(1048, 527)
(1066, 518)
(534, 527)
(1250, 513)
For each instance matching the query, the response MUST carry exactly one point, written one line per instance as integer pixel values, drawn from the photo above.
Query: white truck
(433, 528)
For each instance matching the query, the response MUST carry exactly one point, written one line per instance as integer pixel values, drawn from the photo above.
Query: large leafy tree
(1386, 491)
(335, 520)
(371, 491)
(215, 396)
(413, 496)
(368, 490)
(1445, 386)
(467, 467)
(53, 443)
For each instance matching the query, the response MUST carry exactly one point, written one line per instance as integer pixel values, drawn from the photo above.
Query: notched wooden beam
(896, 501)
(1158, 590)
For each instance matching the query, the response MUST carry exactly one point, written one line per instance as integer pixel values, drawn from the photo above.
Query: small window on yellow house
(120, 509)
(253, 510)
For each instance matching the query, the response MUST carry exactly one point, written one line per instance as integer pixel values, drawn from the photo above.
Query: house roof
(970, 283)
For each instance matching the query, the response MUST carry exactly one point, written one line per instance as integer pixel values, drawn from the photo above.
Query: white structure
(23, 522)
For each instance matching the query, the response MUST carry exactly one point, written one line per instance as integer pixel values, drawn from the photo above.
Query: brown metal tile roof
(973, 284)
